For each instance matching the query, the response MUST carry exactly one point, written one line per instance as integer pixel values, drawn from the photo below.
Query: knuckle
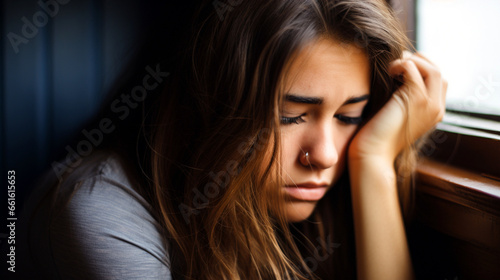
(407, 54)
(423, 101)
(409, 63)
(438, 111)
(440, 115)
(433, 71)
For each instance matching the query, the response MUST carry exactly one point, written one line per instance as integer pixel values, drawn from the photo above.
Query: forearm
(381, 246)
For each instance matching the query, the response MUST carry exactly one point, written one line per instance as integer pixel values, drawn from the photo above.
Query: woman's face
(326, 90)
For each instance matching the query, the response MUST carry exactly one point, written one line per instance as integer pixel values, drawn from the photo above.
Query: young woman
(280, 146)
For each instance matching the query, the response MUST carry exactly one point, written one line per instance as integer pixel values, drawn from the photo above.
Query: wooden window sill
(470, 189)
(463, 207)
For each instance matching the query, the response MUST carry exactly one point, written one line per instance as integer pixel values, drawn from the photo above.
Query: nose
(321, 147)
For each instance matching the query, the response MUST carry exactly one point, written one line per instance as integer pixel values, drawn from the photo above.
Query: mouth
(307, 191)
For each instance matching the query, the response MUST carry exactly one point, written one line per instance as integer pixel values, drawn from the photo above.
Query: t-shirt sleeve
(106, 231)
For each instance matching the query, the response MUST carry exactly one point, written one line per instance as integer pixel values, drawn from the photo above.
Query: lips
(307, 191)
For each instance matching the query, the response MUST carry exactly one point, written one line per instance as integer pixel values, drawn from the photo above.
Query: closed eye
(290, 120)
(342, 118)
(349, 120)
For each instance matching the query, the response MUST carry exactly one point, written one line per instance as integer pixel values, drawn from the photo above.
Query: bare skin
(334, 73)
(382, 251)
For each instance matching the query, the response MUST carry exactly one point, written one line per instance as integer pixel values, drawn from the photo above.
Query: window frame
(457, 188)
(467, 139)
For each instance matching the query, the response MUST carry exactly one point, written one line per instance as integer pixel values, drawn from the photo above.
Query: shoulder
(103, 228)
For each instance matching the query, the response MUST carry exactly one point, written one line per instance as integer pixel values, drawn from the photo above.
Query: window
(455, 234)
(463, 38)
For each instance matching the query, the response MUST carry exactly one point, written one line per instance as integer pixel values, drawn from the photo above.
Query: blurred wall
(59, 58)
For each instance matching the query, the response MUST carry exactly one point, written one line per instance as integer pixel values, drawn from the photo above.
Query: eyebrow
(319, 100)
(304, 99)
(356, 99)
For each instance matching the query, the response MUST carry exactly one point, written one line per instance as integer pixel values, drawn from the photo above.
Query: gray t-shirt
(102, 228)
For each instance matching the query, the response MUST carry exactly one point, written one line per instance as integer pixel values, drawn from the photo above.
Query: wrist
(372, 169)
(369, 148)
(377, 156)
(376, 160)
(372, 161)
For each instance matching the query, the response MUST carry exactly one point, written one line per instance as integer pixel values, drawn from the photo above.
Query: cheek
(290, 147)
(342, 141)
(344, 136)
(342, 144)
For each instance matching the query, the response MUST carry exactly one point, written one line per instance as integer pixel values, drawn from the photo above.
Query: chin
(298, 211)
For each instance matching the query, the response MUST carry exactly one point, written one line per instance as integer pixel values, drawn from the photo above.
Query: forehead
(329, 69)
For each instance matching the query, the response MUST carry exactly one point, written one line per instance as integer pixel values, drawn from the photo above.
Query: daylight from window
(463, 38)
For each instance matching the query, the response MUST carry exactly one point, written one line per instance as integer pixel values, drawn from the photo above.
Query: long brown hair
(205, 145)
(213, 139)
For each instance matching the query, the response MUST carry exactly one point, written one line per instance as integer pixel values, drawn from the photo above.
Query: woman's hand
(381, 247)
(416, 107)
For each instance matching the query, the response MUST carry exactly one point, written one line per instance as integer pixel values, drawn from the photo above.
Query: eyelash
(349, 120)
(344, 119)
(290, 120)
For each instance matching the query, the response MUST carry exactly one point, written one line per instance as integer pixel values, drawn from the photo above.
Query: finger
(430, 74)
(407, 54)
(443, 83)
(419, 54)
(436, 85)
(444, 89)
(410, 72)
(423, 63)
